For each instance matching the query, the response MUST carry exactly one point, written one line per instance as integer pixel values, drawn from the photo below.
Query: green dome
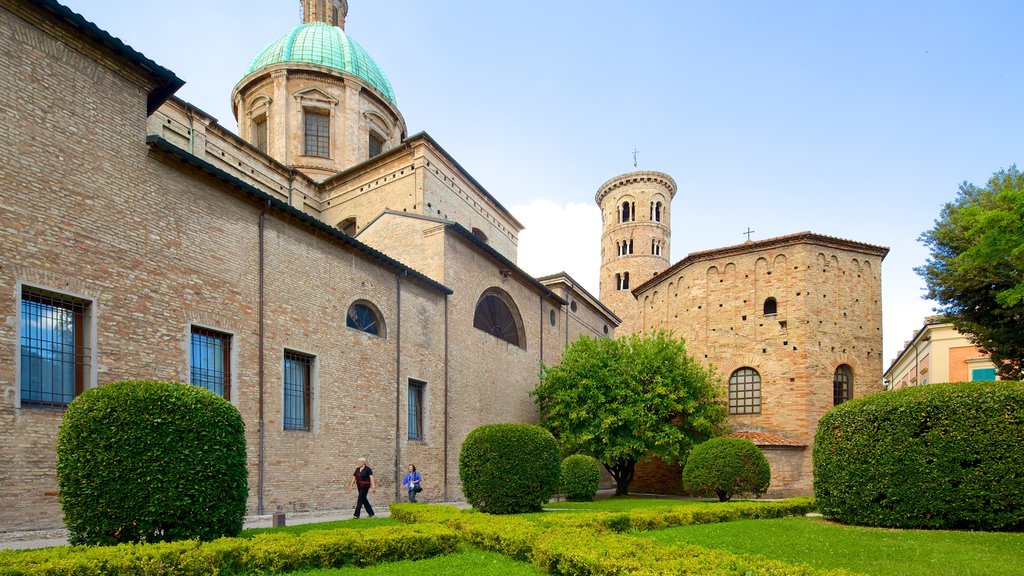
(324, 45)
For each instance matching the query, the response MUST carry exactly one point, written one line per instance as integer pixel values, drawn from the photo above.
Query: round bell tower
(635, 210)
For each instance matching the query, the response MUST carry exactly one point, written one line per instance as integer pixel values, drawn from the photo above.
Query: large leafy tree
(976, 267)
(624, 400)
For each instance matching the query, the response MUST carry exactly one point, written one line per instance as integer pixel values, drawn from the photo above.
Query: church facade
(349, 287)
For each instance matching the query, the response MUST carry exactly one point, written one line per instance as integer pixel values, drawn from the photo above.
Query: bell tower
(635, 210)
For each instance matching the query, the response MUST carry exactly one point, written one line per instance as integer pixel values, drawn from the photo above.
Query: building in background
(938, 353)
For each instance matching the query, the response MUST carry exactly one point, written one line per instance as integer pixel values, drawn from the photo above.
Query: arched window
(497, 315)
(626, 212)
(348, 226)
(629, 246)
(745, 392)
(625, 280)
(364, 317)
(656, 211)
(771, 306)
(842, 385)
(618, 281)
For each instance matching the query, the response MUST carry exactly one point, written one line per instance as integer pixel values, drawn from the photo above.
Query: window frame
(310, 365)
(83, 309)
(374, 138)
(842, 384)
(381, 331)
(515, 317)
(229, 358)
(416, 389)
(261, 133)
(320, 136)
(754, 390)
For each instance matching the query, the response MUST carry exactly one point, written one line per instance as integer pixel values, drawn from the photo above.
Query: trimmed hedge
(584, 544)
(581, 477)
(726, 466)
(148, 461)
(509, 468)
(262, 554)
(942, 456)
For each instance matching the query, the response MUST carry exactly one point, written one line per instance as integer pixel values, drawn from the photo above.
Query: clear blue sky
(851, 119)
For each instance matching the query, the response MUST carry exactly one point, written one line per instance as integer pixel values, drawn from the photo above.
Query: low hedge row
(262, 554)
(587, 544)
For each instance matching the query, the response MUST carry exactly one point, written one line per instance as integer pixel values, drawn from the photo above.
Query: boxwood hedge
(937, 456)
(148, 461)
(581, 476)
(726, 466)
(509, 468)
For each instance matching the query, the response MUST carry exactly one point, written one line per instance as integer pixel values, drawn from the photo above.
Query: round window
(572, 306)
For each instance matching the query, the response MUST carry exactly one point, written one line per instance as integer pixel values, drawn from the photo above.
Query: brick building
(793, 324)
(350, 288)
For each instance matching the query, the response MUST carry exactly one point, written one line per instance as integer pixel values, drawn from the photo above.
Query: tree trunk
(622, 472)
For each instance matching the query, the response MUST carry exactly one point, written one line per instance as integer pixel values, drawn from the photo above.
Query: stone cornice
(639, 177)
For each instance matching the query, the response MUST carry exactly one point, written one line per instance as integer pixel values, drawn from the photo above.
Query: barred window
(376, 145)
(842, 384)
(55, 352)
(318, 134)
(211, 361)
(298, 371)
(416, 390)
(745, 392)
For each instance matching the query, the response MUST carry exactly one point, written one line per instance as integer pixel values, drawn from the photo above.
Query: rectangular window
(376, 145)
(298, 370)
(259, 134)
(318, 134)
(983, 375)
(55, 355)
(416, 389)
(211, 361)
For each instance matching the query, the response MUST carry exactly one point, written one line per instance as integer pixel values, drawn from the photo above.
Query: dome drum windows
(745, 392)
(365, 317)
(496, 314)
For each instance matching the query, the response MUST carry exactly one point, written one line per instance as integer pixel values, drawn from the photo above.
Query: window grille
(298, 370)
(842, 384)
(318, 134)
(376, 145)
(745, 392)
(211, 361)
(55, 355)
(416, 389)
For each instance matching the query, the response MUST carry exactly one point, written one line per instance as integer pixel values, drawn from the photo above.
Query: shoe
(356, 517)
(371, 515)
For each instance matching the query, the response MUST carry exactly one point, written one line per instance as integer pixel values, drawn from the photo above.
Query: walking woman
(363, 480)
(412, 482)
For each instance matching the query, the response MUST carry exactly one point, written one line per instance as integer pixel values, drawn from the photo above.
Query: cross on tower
(635, 152)
(748, 233)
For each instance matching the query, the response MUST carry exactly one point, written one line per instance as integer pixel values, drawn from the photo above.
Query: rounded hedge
(581, 476)
(509, 468)
(943, 456)
(726, 466)
(145, 461)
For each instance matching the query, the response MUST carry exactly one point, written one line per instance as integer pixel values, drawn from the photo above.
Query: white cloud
(561, 238)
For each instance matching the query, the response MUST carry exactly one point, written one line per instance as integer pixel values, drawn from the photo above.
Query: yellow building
(938, 353)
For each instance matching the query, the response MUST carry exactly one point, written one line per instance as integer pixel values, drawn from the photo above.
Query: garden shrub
(262, 554)
(581, 476)
(944, 456)
(726, 466)
(509, 468)
(147, 461)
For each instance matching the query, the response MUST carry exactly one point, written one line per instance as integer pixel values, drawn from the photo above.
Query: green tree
(629, 399)
(976, 267)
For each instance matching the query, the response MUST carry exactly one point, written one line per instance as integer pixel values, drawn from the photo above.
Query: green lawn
(300, 528)
(822, 544)
(468, 561)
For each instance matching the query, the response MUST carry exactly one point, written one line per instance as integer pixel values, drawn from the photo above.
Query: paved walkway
(46, 538)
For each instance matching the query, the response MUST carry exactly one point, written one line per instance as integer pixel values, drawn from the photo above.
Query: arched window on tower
(842, 385)
(771, 307)
(625, 280)
(629, 248)
(618, 281)
(657, 211)
(497, 315)
(745, 392)
(626, 213)
(656, 247)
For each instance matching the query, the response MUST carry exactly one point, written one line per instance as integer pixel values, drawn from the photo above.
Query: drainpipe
(260, 368)
(444, 496)
(398, 382)
(541, 298)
